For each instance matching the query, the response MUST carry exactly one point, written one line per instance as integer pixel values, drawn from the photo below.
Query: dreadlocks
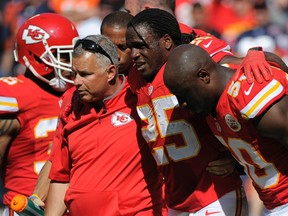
(160, 22)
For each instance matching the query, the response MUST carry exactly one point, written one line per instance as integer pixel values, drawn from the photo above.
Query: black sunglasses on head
(92, 46)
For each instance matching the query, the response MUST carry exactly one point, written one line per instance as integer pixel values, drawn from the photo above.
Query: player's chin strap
(56, 83)
(28, 65)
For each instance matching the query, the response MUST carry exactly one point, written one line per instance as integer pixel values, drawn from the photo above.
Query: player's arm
(275, 60)
(272, 58)
(42, 186)
(273, 123)
(55, 201)
(9, 128)
(256, 64)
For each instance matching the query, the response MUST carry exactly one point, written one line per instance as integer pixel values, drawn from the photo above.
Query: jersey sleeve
(200, 32)
(8, 100)
(216, 48)
(185, 28)
(252, 100)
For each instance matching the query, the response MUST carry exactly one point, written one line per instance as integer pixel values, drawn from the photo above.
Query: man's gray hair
(105, 43)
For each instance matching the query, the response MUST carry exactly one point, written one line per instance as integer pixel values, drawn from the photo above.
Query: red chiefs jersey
(215, 47)
(183, 146)
(264, 159)
(105, 159)
(37, 112)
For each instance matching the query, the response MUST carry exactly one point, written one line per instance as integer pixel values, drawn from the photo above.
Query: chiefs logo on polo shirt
(120, 118)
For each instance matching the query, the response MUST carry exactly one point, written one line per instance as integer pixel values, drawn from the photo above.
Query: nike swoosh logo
(208, 44)
(211, 213)
(249, 90)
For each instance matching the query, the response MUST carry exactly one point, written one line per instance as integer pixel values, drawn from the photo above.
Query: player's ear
(167, 41)
(111, 72)
(204, 76)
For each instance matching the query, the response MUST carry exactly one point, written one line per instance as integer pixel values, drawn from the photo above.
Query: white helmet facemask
(59, 84)
(48, 58)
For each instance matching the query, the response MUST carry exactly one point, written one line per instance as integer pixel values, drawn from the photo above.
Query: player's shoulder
(252, 99)
(216, 47)
(19, 87)
(199, 32)
(13, 93)
(211, 44)
(185, 28)
(14, 82)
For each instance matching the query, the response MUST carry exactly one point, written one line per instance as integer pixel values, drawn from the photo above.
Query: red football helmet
(42, 43)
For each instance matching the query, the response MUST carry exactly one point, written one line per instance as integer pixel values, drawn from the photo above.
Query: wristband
(34, 196)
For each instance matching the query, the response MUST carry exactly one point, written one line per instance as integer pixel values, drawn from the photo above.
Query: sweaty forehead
(140, 30)
(114, 31)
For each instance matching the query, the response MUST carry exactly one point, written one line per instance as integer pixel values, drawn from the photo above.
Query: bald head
(185, 62)
(117, 19)
(194, 78)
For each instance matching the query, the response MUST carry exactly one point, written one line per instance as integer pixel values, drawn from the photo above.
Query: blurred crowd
(241, 23)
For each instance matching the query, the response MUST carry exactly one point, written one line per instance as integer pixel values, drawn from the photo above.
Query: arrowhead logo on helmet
(34, 34)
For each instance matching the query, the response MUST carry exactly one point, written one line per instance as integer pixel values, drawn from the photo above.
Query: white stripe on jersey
(226, 49)
(272, 90)
(8, 104)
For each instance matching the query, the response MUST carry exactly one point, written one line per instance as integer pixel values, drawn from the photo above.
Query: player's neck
(43, 85)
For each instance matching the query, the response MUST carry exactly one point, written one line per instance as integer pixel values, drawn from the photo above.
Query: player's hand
(37, 200)
(224, 166)
(255, 66)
